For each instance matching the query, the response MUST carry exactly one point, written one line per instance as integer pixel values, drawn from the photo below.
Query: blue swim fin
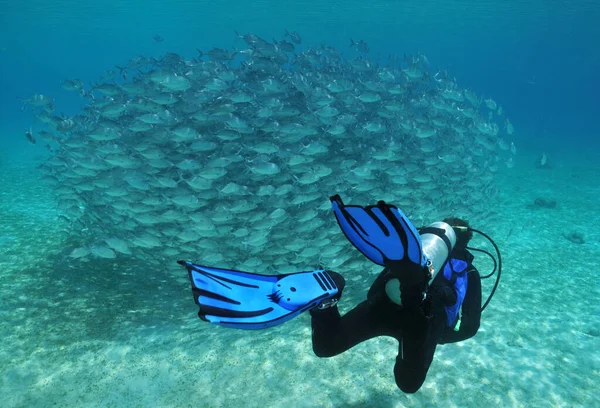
(251, 301)
(381, 232)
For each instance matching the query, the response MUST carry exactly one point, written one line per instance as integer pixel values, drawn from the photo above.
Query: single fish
(29, 136)
(360, 45)
(294, 36)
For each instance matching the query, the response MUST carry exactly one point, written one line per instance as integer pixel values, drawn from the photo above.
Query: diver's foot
(331, 302)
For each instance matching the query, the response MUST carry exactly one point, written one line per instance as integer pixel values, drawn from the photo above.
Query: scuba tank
(438, 240)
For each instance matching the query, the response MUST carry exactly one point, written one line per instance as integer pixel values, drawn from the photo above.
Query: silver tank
(434, 247)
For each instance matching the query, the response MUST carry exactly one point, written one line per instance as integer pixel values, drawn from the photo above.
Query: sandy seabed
(72, 336)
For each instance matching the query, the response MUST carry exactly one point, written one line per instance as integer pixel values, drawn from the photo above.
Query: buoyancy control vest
(455, 272)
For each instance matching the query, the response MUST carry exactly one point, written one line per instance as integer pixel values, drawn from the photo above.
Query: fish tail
(180, 177)
(24, 103)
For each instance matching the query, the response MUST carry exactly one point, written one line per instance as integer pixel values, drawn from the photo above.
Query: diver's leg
(333, 334)
(416, 350)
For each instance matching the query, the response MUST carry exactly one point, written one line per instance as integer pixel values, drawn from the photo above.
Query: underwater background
(85, 324)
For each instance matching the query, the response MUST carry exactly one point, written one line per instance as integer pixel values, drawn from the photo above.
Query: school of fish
(229, 158)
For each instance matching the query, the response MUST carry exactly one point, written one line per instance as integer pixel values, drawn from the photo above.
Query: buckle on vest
(430, 269)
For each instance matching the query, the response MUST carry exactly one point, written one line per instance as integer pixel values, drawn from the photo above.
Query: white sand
(538, 345)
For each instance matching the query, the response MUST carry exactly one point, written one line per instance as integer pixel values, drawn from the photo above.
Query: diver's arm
(471, 311)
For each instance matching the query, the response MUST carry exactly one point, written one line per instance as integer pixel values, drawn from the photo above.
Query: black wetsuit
(419, 332)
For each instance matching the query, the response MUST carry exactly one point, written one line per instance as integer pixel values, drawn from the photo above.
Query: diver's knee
(408, 379)
(323, 350)
(408, 385)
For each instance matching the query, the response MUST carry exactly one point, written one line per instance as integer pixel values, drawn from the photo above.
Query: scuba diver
(428, 293)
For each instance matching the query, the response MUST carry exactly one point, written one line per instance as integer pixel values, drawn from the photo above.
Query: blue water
(538, 59)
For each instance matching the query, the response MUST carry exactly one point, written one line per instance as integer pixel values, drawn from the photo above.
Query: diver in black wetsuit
(419, 328)
(428, 278)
